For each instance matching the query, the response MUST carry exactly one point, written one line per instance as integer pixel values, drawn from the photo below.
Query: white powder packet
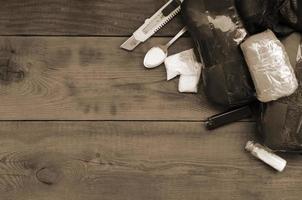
(186, 65)
(269, 66)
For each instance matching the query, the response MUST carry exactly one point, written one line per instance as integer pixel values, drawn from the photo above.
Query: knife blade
(153, 24)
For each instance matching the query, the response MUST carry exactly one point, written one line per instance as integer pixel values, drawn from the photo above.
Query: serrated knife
(153, 24)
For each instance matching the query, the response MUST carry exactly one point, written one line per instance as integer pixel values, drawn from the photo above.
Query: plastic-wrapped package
(186, 65)
(259, 15)
(269, 66)
(217, 32)
(291, 44)
(280, 122)
(291, 13)
(283, 17)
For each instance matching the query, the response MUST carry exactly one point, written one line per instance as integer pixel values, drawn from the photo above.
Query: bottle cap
(249, 146)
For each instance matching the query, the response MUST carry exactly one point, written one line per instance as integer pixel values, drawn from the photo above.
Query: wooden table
(82, 119)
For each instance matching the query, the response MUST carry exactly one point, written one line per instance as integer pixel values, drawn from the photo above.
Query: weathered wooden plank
(76, 17)
(138, 160)
(71, 78)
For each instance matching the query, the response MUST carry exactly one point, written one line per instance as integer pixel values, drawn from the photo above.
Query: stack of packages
(244, 66)
(247, 69)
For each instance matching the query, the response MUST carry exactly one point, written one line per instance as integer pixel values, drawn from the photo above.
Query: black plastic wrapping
(291, 14)
(281, 16)
(281, 121)
(217, 31)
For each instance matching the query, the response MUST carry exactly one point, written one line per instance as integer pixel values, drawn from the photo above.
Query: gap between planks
(134, 161)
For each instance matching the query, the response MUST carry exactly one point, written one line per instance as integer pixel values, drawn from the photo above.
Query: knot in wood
(48, 176)
(10, 71)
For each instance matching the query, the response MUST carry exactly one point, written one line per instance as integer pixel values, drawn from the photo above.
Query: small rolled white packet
(269, 66)
(186, 65)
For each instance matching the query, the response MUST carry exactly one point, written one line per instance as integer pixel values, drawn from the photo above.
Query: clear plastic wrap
(280, 122)
(186, 65)
(269, 66)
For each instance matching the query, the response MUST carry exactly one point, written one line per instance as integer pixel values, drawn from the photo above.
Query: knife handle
(158, 20)
(225, 118)
(171, 7)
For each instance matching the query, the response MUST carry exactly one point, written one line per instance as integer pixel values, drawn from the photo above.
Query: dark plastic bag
(217, 32)
(281, 16)
(281, 121)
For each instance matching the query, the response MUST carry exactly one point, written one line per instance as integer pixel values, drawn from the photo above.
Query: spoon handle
(176, 37)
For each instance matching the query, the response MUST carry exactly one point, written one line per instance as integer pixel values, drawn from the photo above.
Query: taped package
(269, 66)
(217, 32)
(280, 122)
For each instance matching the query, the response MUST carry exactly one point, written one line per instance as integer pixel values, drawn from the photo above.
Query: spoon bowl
(157, 55)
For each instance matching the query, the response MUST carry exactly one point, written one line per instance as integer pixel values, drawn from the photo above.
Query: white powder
(269, 66)
(186, 65)
(224, 23)
(155, 57)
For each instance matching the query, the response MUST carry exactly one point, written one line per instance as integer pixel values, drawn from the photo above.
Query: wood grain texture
(61, 78)
(90, 78)
(78, 17)
(137, 160)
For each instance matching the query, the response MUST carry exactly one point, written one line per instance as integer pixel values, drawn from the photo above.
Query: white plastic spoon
(157, 55)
